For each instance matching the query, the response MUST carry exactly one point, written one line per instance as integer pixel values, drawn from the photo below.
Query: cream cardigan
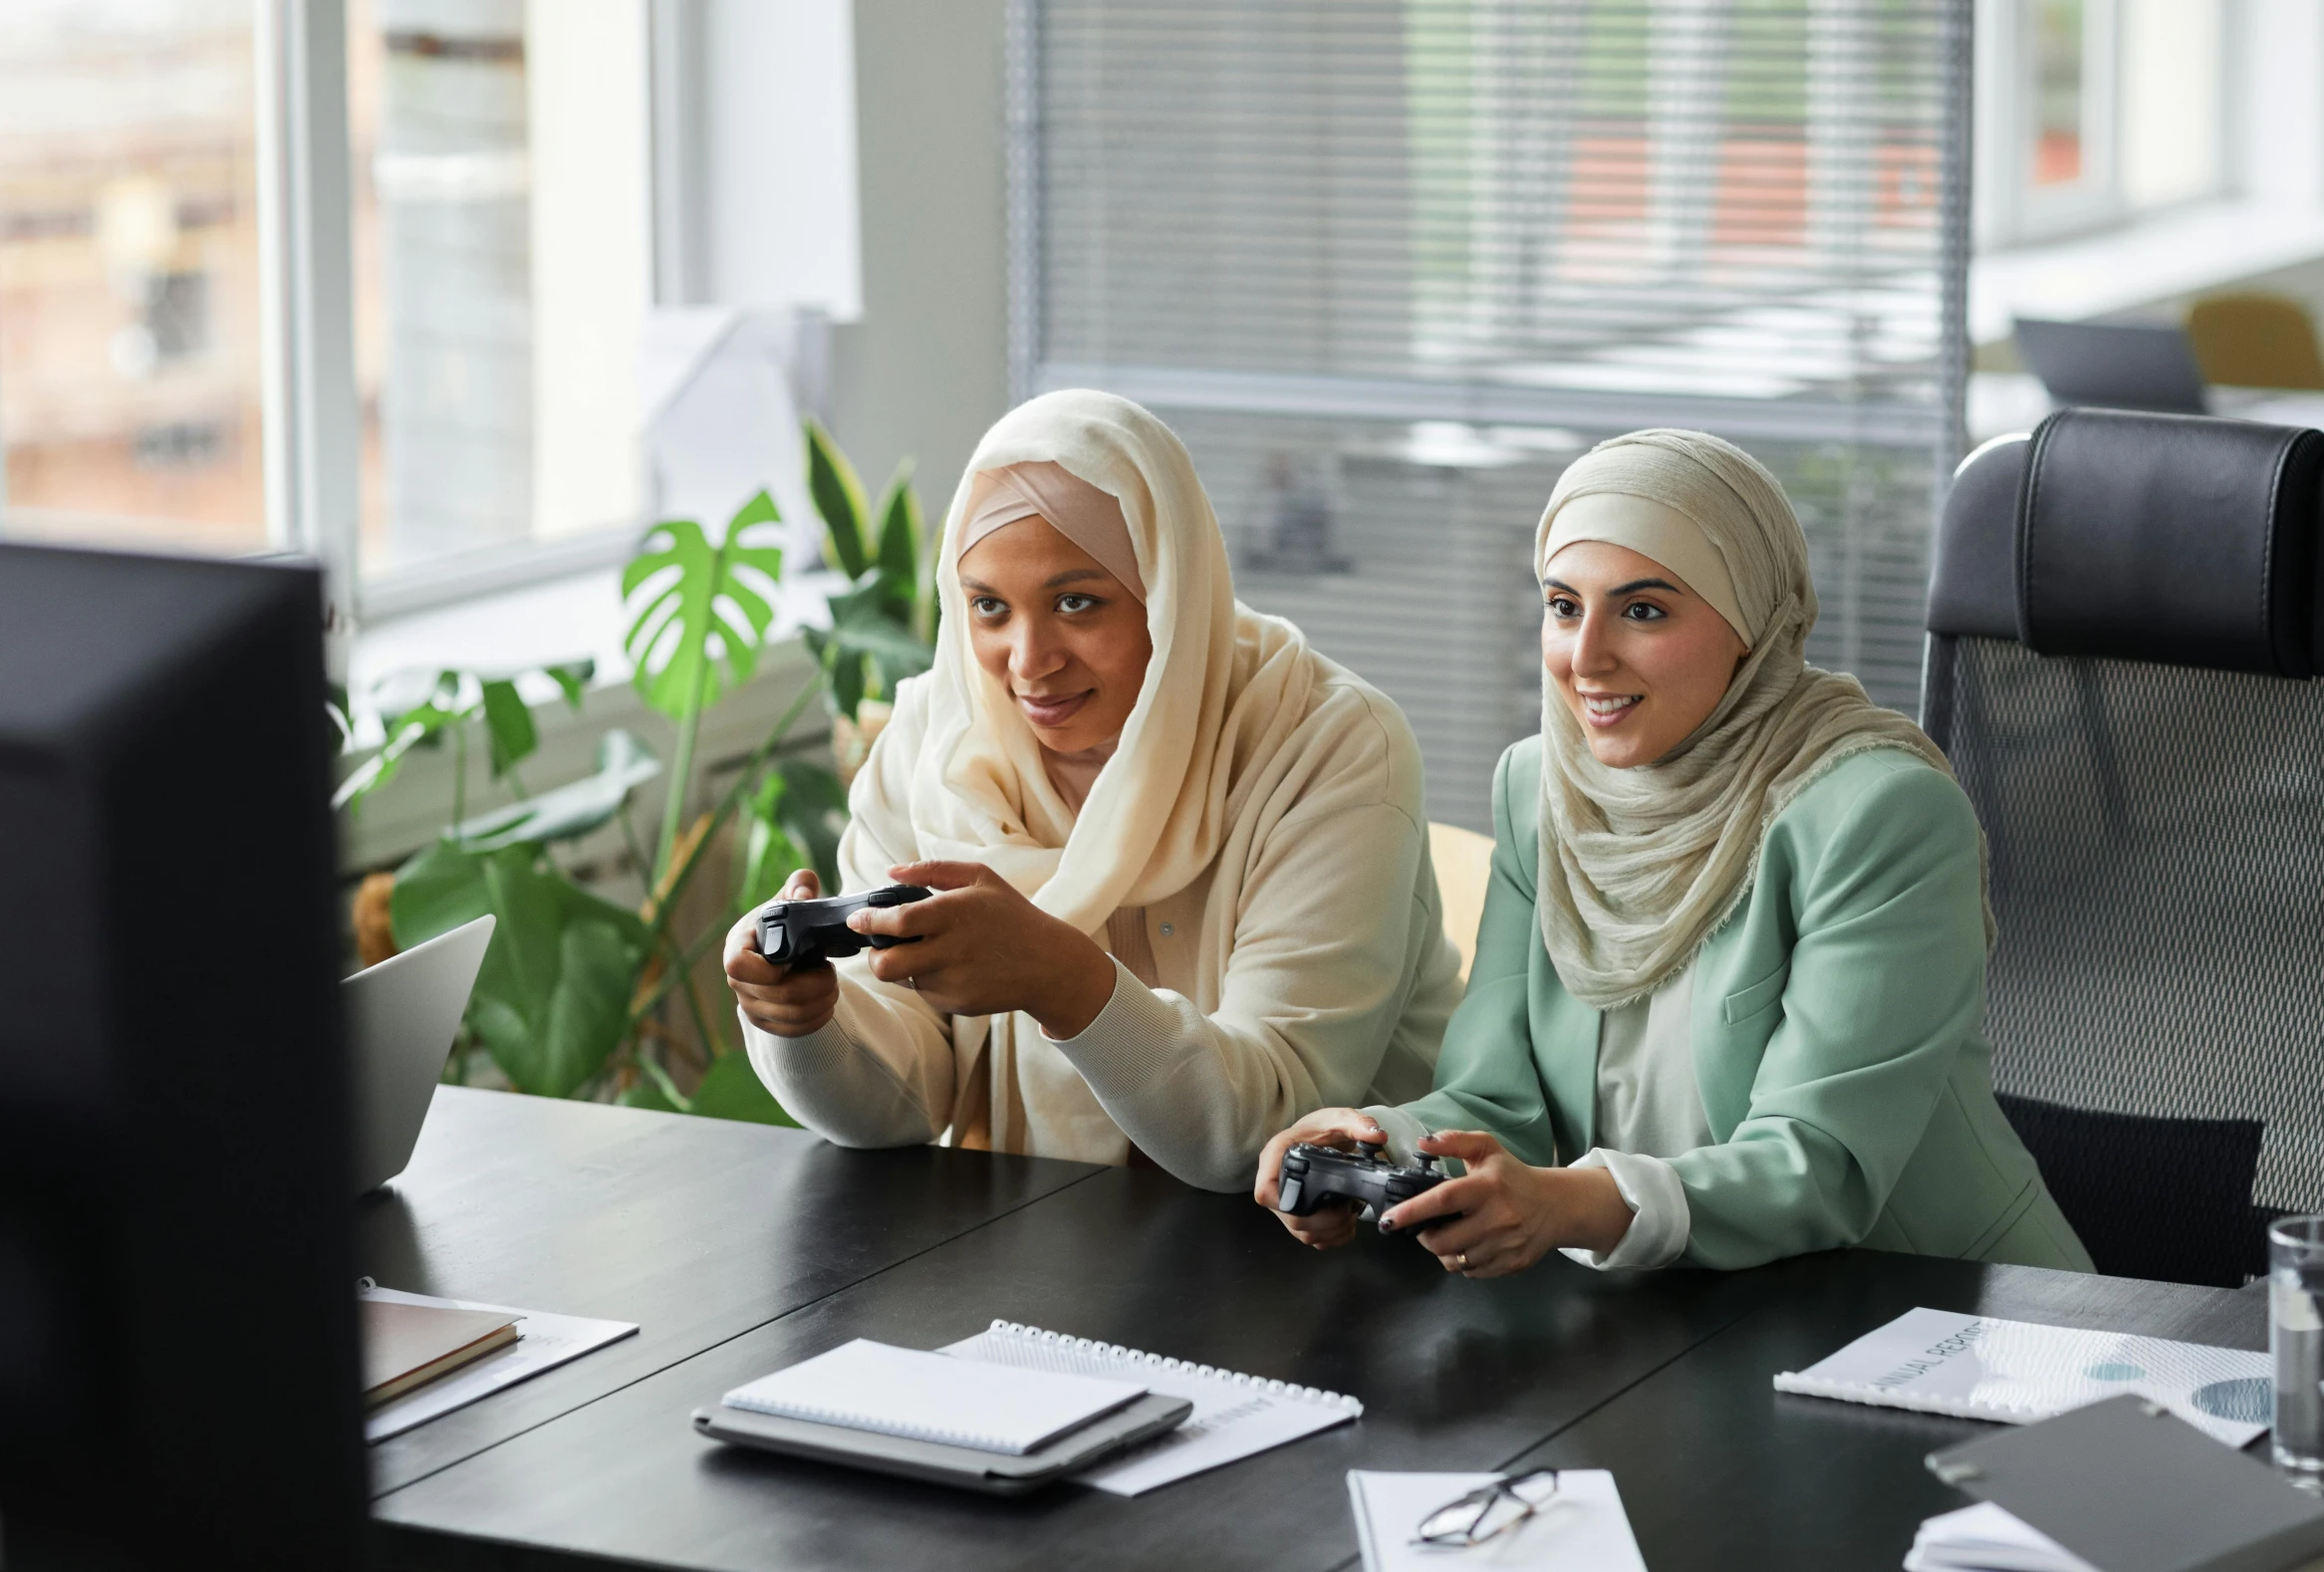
(1337, 985)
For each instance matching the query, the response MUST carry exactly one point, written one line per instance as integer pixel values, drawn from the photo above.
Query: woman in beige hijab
(1183, 888)
(1727, 996)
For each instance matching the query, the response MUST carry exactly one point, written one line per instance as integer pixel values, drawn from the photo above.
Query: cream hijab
(1637, 866)
(1217, 718)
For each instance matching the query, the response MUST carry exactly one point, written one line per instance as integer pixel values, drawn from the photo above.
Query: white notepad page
(1234, 1416)
(868, 1386)
(1984, 1368)
(1581, 1528)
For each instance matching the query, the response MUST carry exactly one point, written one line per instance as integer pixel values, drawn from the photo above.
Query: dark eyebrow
(978, 585)
(1632, 587)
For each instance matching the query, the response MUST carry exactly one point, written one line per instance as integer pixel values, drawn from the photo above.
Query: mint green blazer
(1837, 1039)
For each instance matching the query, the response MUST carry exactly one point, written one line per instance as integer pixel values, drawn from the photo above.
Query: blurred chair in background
(2123, 632)
(2256, 340)
(1464, 866)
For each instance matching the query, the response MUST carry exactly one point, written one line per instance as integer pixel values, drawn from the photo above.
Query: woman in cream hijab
(1729, 986)
(1183, 888)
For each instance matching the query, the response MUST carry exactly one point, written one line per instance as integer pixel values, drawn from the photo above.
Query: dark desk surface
(698, 1229)
(1662, 1376)
(1718, 1471)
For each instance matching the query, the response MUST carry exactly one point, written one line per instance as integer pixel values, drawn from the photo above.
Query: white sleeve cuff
(1660, 1220)
(1112, 1024)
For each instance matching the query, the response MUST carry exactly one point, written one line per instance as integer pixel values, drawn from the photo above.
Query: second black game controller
(1313, 1177)
(811, 932)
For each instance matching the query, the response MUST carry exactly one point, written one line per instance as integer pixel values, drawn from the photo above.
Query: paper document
(1581, 1528)
(1234, 1416)
(908, 1392)
(1984, 1368)
(543, 1341)
(1984, 1538)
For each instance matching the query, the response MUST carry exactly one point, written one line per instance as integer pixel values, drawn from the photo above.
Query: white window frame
(2013, 211)
(312, 413)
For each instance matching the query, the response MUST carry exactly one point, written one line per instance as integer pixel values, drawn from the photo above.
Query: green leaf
(425, 723)
(508, 721)
(566, 812)
(649, 1096)
(574, 678)
(770, 856)
(440, 889)
(697, 627)
(732, 1090)
(899, 541)
(552, 1000)
(844, 674)
(839, 498)
(811, 812)
(884, 639)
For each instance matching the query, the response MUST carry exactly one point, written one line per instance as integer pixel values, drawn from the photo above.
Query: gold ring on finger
(1461, 1260)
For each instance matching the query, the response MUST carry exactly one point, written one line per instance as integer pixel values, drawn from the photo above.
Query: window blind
(1389, 265)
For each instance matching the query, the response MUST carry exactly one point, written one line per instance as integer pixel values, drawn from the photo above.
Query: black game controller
(811, 932)
(1314, 1177)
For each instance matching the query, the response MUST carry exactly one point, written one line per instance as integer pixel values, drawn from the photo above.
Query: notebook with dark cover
(2126, 1486)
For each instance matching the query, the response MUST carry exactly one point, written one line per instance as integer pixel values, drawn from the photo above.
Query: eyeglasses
(1487, 1511)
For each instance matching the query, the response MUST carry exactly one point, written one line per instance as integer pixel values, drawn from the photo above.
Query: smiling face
(1640, 658)
(1058, 631)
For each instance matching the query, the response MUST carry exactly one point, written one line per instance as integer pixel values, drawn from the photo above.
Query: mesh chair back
(2121, 627)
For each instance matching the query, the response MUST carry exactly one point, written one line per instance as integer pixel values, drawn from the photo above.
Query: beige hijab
(1637, 866)
(1225, 694)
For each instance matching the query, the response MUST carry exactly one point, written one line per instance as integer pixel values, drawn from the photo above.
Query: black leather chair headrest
(1972, 573)
(2180, 540)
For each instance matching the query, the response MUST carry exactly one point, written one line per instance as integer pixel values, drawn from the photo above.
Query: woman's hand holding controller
(1344, 1128)
(775, 998)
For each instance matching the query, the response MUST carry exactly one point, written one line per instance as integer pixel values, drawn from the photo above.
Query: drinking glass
(2296, 1336)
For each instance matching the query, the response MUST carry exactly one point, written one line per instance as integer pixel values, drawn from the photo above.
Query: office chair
(2256, 340)
(2122, 625)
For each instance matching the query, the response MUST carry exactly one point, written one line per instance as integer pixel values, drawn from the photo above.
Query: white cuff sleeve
(829, 1084)
(1660, 1220)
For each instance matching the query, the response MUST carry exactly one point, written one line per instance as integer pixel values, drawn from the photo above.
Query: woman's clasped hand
(1498, 1217)
(976, 947)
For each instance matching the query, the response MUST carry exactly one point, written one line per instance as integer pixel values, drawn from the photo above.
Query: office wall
(925, 371)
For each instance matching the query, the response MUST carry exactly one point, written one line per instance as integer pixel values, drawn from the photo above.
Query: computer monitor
(179, 1358)
(2118, 365)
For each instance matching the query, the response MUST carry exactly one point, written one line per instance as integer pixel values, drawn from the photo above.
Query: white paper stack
(1235, 1416)
(1984, 1538)
(543, 1341)
(2016, 1372)
(868, 1386)
(1581, 1528)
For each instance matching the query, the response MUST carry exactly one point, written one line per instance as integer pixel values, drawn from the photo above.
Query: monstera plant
(580, 995)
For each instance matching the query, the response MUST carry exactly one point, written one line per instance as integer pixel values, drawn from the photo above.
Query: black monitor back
(177, 1336)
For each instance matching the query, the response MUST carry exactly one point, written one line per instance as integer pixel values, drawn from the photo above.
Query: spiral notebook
(868, 1386)
(2016, 1372)
(1235, 1416)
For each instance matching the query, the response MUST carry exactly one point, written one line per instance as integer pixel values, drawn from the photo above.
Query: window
(502, 267)
(129, 364)
(2095, 111)
(394, 283)
(1389, 265)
